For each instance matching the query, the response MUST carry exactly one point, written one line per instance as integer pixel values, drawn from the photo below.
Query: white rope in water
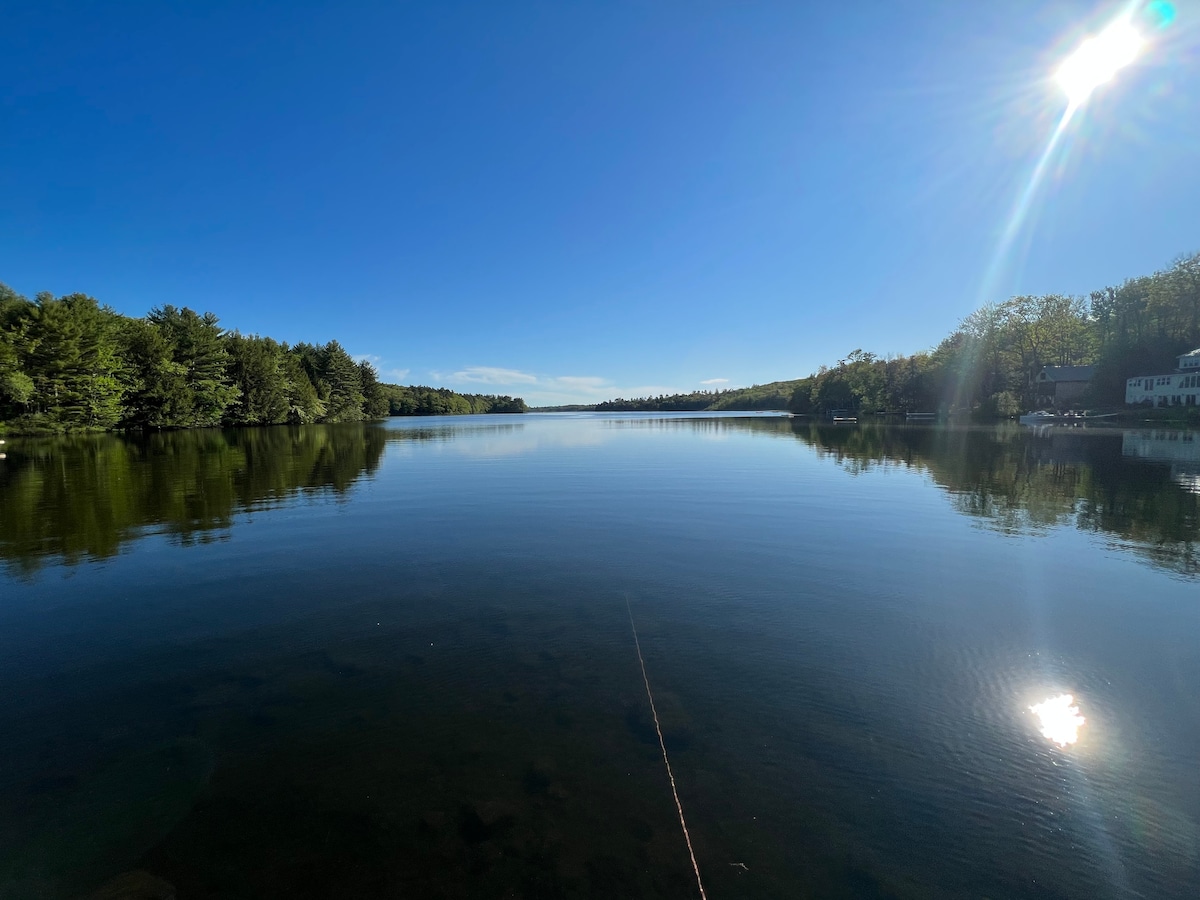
(663, 744)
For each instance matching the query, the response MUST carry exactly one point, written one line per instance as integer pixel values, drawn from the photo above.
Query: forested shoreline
(986, 367)
(71, 364)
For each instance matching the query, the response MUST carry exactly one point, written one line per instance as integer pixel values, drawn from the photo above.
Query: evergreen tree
(256, 370)
(375, 404)
(304, 405)
(197, 344)
(70, 355)
(158, 394)
(16, 387)
(342, 383)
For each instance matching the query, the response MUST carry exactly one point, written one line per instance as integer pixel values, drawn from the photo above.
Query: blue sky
(572, 201)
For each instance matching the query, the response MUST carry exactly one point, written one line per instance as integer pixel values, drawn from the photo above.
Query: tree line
(989, 364)
(418, 400)
(69, 363)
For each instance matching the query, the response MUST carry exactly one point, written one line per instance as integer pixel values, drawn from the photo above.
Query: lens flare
(1060, 719)
(1160, 13)
(1098, 59)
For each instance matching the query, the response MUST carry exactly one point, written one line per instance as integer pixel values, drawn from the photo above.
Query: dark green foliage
(339, 384)
(68, 363)
(662, 403)
(257, 371)
(157, 395)
(16, 387)
(375, 403)
(197, 348)
(67, 348)
(418, 400)
(304, 406)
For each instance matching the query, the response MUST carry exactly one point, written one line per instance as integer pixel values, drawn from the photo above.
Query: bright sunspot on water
(1060, 719)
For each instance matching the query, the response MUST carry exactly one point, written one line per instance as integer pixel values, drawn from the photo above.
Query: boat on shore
(1045, 417)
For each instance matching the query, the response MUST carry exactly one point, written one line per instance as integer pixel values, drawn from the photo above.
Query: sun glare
(1098, 59)
(1060, 719)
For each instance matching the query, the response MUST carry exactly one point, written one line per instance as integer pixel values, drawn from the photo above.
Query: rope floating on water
(663, 744)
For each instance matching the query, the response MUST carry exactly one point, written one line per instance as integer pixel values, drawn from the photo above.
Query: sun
(1098, 59)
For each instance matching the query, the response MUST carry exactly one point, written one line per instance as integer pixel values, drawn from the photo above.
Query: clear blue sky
(572, 201)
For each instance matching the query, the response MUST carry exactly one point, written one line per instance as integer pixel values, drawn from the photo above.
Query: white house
(1179, 389)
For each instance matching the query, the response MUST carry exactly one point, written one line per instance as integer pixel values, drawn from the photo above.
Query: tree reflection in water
(1138, 485)
(84, 496)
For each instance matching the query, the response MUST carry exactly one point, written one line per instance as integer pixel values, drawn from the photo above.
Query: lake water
(397, 660)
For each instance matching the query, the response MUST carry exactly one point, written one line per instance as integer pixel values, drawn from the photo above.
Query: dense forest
(68, 363)
(987, 366)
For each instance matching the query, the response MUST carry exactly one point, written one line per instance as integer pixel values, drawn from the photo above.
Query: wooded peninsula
(69, 364)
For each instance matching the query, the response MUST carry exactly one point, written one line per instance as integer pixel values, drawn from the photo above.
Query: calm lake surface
(396, 660)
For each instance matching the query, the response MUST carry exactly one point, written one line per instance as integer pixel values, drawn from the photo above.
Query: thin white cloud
(491, 375)
(715, 381)
(580, 381)
(398, 374)
(372, 358)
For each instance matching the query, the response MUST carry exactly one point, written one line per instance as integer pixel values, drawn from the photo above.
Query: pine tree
(343, 384)
(72, 360)
(16, 387)
(375, 402)
(304, 405)
(158, 395)
(198, 345)
(256, 370)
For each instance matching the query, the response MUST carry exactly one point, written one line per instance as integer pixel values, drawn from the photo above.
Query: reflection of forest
(83, 496)
(1141, 486)
(1021, 480)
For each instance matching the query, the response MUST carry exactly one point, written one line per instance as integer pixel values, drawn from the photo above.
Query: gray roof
(1068, 373)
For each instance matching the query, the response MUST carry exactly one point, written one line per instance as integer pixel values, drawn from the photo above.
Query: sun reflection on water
(1060, 719)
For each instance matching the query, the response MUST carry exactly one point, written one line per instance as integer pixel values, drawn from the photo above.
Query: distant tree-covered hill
(775, 395)
(418, 400)
(69, 363)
